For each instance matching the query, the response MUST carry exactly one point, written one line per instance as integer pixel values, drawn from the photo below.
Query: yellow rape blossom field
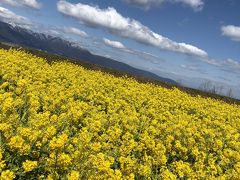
(61, 121)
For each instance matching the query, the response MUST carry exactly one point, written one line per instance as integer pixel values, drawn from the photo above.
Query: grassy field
(59, 120)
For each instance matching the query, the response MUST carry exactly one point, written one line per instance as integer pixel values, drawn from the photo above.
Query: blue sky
(188, 40)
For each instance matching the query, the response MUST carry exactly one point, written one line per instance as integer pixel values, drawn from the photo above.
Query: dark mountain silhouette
(57, 45)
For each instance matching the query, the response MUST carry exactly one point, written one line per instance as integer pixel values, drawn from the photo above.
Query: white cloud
(75, 31)
(149, 54)
(147, 4)
(232, 63)
(195, 4)
(231, 31)
(141, 54)
(114, 44)
(183, 66)
(211, 61)
(191, 68)
(120, 46)
(9, 2)
(28, 3)
(10, 17)
(228, 64)
(51, 32)
(110, 20)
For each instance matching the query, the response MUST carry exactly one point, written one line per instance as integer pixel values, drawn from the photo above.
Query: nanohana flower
(7, 175)
(59, 120)
(74, 175)
(64, 160)
(29, 165)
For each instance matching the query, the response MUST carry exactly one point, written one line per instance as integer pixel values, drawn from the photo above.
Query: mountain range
(57, 45)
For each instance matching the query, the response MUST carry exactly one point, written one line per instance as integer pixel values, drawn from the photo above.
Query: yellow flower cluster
(29, 165)
(61, 121)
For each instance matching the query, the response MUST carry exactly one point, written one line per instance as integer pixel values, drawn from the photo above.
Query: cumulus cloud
(151, 55)
(211, 61)
(114, 44)
(50, 32)
(75, 31)
(147, 4)
(232, 63)
(120, 46)
(141, 54)
(231, 31)
(28, 3)
(109, 19)
(229, 64)
(12, 18)
(192, 68)
(195, 4)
